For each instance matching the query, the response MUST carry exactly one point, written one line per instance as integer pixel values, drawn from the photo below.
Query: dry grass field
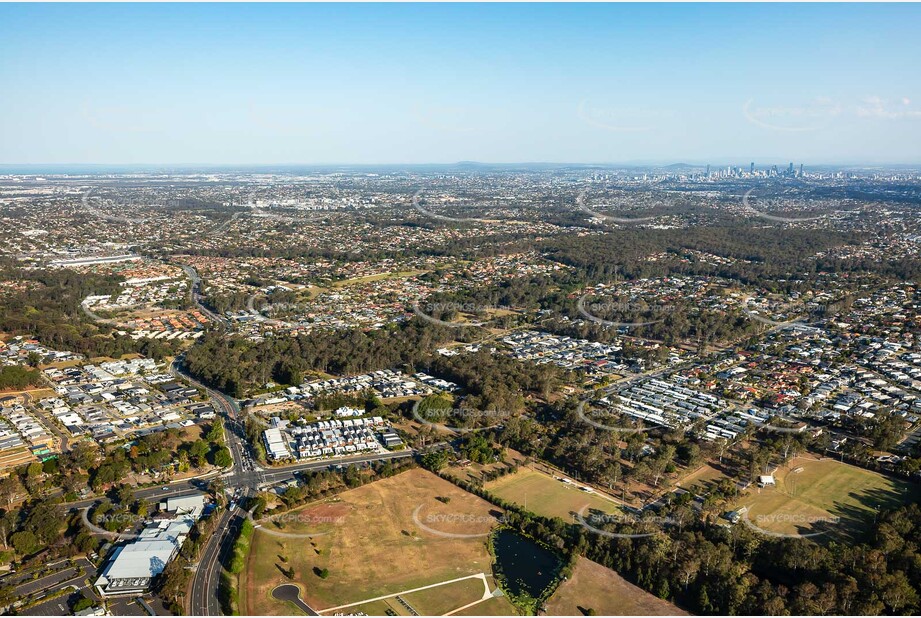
(593, 586)
(544, 495)
(496, 606)
(376, 540)
(815, 495)
(702, 480)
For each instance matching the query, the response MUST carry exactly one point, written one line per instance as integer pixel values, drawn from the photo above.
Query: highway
(196, 295)
(206, 582)
(153, 494)
(245, 477)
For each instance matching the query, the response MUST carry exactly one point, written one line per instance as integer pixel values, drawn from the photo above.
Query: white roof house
(276, 444)
(134, 565)
(187, 504)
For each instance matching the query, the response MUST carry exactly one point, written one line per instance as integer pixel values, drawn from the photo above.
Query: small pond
(528, 567)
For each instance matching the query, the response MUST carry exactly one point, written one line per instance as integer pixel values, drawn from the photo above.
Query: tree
(222, 458)
(34, 469)
(10, 489)
(434, 460)
(215, 433)
(125, 494)
(198, 451)
(83, 603)
(898, 592)
(25, 543)
(173, 580)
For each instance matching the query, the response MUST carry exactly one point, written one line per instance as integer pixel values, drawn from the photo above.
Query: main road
(206, 582)
(196, 295)
(245, 477)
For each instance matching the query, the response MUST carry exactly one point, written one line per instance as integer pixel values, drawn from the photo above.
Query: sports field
(544, 495)
(702, 480)
(388, 537)
(823, 496)
(594, 587)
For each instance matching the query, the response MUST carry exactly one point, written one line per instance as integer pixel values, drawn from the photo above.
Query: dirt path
(481, 576)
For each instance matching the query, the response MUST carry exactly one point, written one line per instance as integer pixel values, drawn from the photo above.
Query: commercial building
(132, 567)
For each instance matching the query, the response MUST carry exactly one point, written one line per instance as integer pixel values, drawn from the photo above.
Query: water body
(528, 567)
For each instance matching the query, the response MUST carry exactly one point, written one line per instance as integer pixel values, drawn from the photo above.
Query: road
(292, 594)
(196, 295)
(230, 411)
(47, 420)
(152, 494)
(245, 477)
(204, 596)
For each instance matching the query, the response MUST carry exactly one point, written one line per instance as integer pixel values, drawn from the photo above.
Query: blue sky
(254, 84)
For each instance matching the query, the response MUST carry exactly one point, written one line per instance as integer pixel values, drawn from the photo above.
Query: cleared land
(824, 495)
(496, 606)
(443, 599)
(403, 274)
(593, 586)
(376, 540)
(544, 495)
(702, 480)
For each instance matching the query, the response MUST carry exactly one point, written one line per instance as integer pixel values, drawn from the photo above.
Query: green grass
(443, 599)
(543, 495)
(378, 277)
(825, 495)
(497, 606)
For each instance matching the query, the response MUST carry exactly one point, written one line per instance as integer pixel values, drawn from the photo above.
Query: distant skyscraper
(751, 169)
(800, 170)
(708, 170)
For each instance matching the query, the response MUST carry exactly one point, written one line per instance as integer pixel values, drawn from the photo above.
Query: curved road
(196, 295)
(291, 593)
(246, 477)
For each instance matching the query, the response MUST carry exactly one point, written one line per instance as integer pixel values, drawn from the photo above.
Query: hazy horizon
(332, 85)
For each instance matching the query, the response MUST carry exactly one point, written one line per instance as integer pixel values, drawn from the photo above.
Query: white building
(133, 566)
(275, 444)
